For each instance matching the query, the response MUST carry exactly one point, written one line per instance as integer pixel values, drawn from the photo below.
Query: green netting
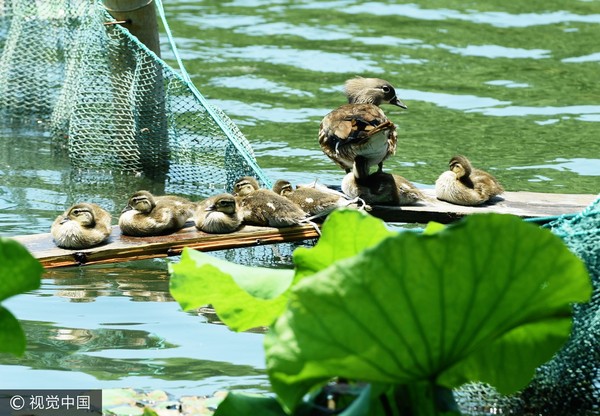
(570, 383)
(112, 104)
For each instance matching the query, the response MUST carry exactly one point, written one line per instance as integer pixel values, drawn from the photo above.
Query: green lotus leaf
(488, 298)
(244, 297)
(20, 272)
(345, 233)
(12, 337)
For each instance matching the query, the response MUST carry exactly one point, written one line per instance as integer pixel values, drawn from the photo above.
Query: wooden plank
(120, 248)
(522, 204)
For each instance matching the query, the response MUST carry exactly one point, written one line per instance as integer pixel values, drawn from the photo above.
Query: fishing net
(111, 103)
(570, 383)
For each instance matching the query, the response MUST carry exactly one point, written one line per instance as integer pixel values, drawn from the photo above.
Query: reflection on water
(513, 85)
(81, 323)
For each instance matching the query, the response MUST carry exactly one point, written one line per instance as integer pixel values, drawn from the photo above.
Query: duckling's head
(82, 213)
(142, 201)
(245, 185)
(382, 184)
(372, 91)
(282, 187)
(224, 203)
(461, 166)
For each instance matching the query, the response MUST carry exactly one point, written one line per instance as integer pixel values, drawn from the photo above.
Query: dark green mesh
(110, 102)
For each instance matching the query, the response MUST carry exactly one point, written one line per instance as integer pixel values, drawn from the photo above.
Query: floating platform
(526, 205)
(120, 248)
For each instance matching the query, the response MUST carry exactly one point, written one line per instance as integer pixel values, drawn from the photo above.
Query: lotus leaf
(488, 298)
(20, 272)
(244, 297)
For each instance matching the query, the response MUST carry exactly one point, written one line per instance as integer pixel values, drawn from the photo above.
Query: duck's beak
(396, 101)
(65, 219)
(209, 208)
(127, 208)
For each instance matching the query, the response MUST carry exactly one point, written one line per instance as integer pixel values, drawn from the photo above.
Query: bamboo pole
(139, 17)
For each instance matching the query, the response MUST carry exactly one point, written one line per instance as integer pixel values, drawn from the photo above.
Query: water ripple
(265, 112)
(451, 101)
(251, 82)
(303, 31)
(497, 19)
(594, 57)
(496, 51)
(219, 21)
(514, 110)
(581, 166)
(312, 60)
(507, 83)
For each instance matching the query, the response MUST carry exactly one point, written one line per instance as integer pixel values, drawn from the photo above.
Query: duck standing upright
(361, 127)
(148, 215)
(264, 207)
(81, 226)
(218, 214)
(462, 184)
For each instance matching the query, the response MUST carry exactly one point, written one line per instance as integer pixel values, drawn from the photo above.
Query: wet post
(139, 17)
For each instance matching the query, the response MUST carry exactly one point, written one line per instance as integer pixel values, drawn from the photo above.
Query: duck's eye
(386, 89)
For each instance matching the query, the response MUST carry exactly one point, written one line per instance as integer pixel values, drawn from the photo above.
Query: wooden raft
(522, 204)
(122, 248)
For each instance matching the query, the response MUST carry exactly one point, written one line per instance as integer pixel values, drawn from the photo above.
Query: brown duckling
(147, 215)
(464, 185)
(264, 207)
(314, 201)
(361, 127)
(379, 188)
(81, 226)
(218, 214)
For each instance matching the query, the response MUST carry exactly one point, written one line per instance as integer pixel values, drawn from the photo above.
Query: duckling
(464, 185)
(379, 188)
(147, 215)
(264, 207)
(218, 214)
(81, 226)
(361, 127)
(313, 201)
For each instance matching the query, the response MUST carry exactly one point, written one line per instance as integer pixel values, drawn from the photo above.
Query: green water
(512, 85)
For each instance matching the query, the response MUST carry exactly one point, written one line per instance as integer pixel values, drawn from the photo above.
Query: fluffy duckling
(218, 214)
(313, 201)
(81, 226)
(361, 127)
(264, 207)
(464, 185)
(147, 215)
(379, 188)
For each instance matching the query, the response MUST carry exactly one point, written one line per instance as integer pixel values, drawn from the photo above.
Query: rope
(205, 103)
